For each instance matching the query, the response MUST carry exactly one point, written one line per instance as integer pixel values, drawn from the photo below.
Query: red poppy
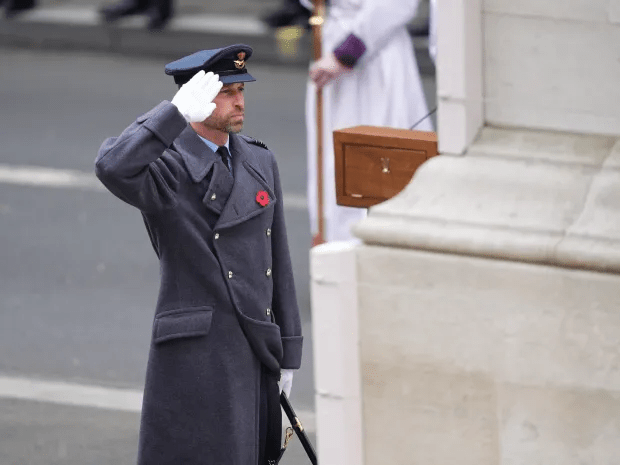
(262, 198)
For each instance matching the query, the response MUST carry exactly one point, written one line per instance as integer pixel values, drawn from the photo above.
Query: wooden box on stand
(375, 163)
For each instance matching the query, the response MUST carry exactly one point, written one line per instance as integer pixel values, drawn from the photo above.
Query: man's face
(229, 113)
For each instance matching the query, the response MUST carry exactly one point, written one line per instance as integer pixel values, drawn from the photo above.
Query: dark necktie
(225, 155)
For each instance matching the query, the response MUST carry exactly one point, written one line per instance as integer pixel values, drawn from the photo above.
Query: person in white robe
(369, 76)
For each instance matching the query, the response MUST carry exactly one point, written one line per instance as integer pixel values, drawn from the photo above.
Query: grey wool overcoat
(227, 306)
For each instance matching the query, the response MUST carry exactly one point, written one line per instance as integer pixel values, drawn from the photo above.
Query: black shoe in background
(291, 14)
(15, 7)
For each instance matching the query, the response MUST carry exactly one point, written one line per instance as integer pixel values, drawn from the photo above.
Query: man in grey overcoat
(226, 326)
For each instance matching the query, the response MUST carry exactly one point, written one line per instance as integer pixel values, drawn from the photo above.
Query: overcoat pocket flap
(182, 323)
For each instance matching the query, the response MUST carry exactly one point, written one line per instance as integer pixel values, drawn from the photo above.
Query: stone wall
(472, 361)
(553, 64)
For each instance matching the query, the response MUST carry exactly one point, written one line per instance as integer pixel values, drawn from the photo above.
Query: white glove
(195, 98)
(286, 381)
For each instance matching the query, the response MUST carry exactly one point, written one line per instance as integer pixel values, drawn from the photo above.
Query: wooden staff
(316, 21)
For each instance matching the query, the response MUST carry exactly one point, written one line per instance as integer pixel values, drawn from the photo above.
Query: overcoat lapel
(248, 182)
(199, 159)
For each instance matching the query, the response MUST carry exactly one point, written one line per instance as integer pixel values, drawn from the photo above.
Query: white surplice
(384, 89)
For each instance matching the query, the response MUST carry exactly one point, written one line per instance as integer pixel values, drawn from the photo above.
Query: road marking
(59, 392)
(48, 177)
(82, 395)
(38, 176)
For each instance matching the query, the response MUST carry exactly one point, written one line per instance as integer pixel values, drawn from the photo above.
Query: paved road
(78, 279)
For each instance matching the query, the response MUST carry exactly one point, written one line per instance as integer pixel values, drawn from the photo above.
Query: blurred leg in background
(159, 12)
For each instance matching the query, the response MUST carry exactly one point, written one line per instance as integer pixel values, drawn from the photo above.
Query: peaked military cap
(229, 62)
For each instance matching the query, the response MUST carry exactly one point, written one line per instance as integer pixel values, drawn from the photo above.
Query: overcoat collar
(197, 155)
(248, 177)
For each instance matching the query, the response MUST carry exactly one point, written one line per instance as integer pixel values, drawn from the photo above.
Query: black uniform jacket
(227, 306)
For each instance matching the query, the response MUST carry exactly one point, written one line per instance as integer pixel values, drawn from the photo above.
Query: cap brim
(234, 78)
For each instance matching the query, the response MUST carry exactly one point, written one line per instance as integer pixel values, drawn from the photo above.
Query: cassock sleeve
(373, 25)
(131, 165)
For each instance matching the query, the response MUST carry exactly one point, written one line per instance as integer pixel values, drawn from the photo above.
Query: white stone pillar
(552, 64)
(459, 73)
(336, 357)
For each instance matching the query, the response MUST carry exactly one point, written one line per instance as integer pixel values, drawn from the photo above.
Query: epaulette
(251, 140)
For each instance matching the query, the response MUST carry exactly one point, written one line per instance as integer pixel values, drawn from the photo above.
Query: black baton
(298, 427)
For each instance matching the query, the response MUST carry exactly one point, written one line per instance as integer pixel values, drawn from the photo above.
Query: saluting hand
(195, 98)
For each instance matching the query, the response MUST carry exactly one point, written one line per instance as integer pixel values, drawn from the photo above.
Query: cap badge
(240, 63)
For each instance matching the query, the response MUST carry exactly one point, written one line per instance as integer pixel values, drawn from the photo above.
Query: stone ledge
(553, 201)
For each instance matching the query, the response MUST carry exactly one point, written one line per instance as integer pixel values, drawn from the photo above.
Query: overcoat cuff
(165, 122)
(291, 347)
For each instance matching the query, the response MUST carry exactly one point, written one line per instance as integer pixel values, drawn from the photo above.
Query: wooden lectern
(374, 163)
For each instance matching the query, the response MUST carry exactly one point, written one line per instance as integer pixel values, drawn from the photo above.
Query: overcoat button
(269, 232)
(268, 312)
(217, 236)
(213, 196)
(230, 274)
(268, 272)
